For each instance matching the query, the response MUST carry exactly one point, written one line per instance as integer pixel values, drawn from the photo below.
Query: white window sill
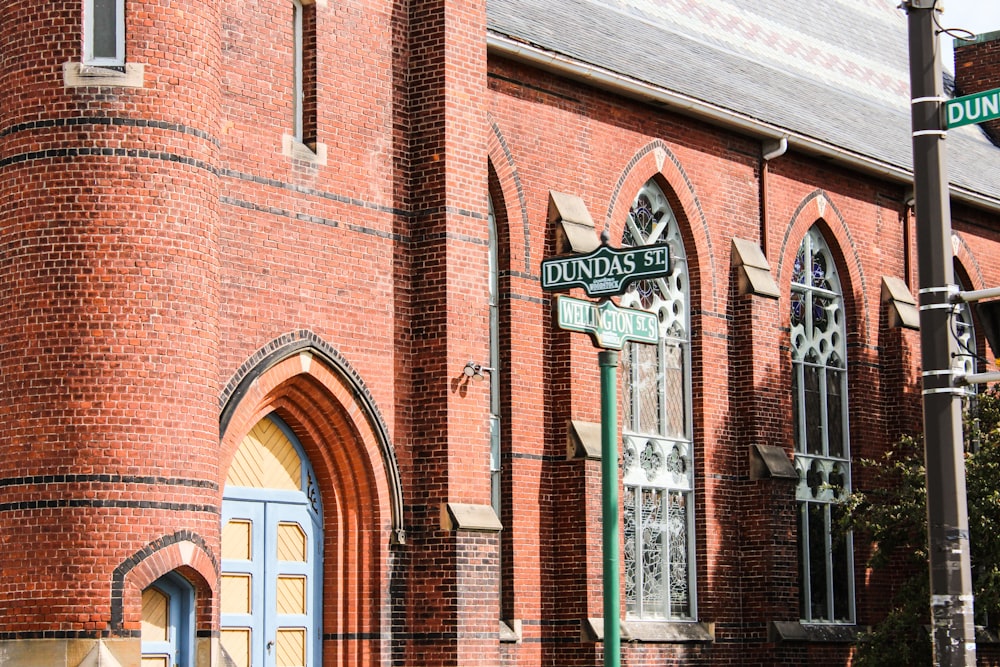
(510, 631)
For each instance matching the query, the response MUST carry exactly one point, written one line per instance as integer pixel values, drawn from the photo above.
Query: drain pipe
(769, 151)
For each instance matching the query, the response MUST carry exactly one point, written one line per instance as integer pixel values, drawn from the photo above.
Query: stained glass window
(822, 452)
(966, 360)
(656, 450)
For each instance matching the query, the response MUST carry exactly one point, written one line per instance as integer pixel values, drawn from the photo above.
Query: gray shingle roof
(833, 72)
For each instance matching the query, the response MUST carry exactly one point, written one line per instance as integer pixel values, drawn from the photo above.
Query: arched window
(966, 361)
(168, 623)
(964, 330)
(270, 587)
(822, 453)
(658, 470)
(494, 376)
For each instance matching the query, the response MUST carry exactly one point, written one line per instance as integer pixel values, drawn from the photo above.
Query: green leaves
(893, 515)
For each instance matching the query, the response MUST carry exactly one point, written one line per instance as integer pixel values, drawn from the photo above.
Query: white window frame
(659, 460)
(824, 351)
(90, 31)
(494, 306)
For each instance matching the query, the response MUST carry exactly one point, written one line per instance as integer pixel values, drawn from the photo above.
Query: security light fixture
(475, 371)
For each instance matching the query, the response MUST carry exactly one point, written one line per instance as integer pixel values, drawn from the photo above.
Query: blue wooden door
(269, 584)
(271, 554)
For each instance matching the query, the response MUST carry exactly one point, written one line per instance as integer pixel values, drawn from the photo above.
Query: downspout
(769, 151)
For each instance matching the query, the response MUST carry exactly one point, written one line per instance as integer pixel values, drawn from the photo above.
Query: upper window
(104, 33)
(822, 454)
(658, 471)
(497, 472)
(304, 26)
(494, 282)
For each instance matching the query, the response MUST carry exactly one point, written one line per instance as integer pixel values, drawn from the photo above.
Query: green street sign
(607, 270)
(970, 109)
(609, 326)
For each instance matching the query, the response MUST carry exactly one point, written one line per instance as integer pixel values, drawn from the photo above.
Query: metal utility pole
(951, 604)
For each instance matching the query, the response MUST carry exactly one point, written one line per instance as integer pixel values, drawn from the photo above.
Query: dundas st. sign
(973, 109)
(607, 270)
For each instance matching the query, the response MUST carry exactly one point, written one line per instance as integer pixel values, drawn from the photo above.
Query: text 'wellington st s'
(609, 326)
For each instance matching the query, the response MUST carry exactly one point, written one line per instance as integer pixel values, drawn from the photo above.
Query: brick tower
(108, 289)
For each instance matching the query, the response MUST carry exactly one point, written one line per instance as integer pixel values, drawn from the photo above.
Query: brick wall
(110, 291)
(167, 263)
(555, 135)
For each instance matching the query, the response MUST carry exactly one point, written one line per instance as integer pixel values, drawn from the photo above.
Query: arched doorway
(349, 483)
(271, 581)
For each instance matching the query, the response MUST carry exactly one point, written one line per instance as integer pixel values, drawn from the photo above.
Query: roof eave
(611, 81)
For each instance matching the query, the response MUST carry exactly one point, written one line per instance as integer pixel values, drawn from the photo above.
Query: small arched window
(168, 623)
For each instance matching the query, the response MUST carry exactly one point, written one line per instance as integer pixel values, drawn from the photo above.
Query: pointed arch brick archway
(316, 392)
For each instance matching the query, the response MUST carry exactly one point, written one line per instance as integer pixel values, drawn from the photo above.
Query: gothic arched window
(822, 453)
(658, 471)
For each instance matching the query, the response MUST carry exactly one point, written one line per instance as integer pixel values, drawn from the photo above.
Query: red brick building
(257, 257)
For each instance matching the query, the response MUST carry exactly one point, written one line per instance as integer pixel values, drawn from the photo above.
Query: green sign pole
(608, 360)
(607, 271)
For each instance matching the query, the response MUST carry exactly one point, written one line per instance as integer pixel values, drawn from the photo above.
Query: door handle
(270, 645)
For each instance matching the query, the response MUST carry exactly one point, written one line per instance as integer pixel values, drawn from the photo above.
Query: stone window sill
(510, 631)
(830, 633)
(668, 632)
(295, 149)
(78, 75)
